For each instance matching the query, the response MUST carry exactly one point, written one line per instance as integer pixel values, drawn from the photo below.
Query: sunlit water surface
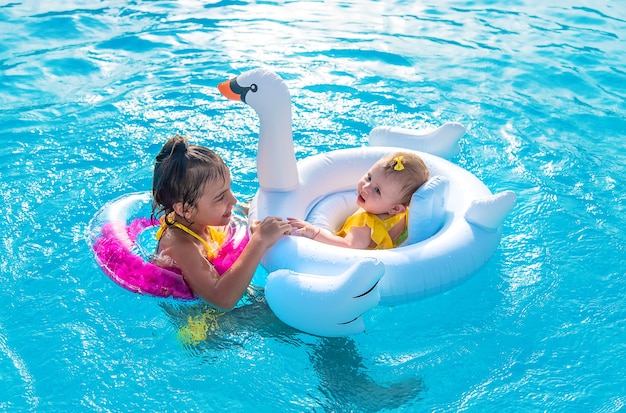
(89, 91)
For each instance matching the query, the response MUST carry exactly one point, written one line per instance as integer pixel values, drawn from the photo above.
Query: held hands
(303, 228)
(270, 229)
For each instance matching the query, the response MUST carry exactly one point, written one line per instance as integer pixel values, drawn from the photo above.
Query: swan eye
(254, 87)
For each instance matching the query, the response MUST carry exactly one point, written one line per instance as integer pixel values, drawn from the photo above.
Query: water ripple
(88, 94)
(20, 388)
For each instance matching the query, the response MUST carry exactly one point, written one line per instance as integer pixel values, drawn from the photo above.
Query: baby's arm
(357, 238)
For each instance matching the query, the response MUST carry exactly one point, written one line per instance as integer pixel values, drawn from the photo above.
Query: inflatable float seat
(427, 210)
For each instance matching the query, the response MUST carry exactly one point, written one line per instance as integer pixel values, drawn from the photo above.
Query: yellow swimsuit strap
(211, 251)
(388, 223)
(391, 221)
(380, 228)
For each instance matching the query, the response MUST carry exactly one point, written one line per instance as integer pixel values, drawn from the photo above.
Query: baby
(383, 197)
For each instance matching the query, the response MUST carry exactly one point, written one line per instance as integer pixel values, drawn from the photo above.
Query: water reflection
(347, 386)
(340, 369)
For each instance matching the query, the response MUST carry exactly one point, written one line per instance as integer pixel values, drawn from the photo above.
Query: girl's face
(215, 205)
(378, 193)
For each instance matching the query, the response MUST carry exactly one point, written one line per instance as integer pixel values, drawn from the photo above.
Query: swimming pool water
(89, 91)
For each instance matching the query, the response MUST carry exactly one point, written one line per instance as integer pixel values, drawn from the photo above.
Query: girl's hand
(270, 229)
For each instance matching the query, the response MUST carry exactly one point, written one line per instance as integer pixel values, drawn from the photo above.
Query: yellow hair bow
(398, 166)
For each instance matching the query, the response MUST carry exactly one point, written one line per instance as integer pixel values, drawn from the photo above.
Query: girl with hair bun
(193, 200)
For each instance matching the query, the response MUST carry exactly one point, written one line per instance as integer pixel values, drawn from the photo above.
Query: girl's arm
(226, 290)
(357, 238)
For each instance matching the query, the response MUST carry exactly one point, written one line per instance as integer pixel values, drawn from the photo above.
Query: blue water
(89, 91)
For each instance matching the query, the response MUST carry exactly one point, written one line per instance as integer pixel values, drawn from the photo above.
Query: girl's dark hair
(180, 172)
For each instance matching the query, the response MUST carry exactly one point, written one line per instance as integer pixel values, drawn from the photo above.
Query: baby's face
(377, 192)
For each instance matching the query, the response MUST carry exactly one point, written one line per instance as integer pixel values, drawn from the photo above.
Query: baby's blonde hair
(408, 169)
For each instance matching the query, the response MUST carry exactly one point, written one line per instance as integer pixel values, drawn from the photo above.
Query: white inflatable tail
(489, 213)
(325, 305)
(443, 141)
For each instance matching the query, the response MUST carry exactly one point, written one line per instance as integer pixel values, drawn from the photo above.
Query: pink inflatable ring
(114, 233)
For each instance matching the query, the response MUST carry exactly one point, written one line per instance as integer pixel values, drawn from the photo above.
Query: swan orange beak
(226, 90)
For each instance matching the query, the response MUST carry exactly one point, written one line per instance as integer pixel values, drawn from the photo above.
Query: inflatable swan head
(268, 95)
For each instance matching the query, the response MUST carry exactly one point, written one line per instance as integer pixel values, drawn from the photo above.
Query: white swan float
(455, 222)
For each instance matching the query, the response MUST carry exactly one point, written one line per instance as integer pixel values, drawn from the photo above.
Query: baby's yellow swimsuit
(380, 227)
(218, 237)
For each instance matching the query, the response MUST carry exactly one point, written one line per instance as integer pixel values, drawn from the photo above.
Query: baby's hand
(302, 228)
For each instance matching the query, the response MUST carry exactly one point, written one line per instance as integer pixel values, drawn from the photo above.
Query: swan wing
(325, 305)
